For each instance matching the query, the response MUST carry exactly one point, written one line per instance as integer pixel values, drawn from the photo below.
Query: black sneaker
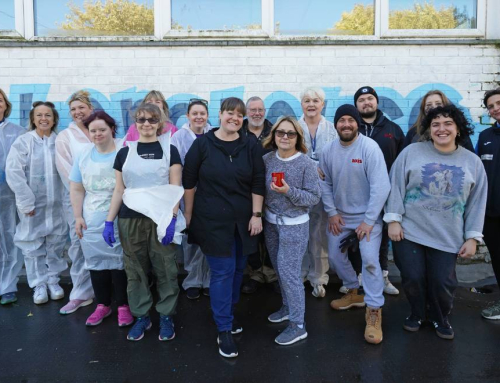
(250, 287)
(193, 293)
(227, 347)
(444, 330)
(206, 292)
(412, 323)
(237, 328)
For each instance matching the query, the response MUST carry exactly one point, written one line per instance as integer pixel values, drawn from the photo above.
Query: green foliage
(359, 21)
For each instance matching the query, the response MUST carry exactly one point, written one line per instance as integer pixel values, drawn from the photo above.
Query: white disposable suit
(32, 175)
(11, 258)
(70, 142)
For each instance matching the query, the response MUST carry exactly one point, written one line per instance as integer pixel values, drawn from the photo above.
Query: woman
(438, 198)
(154, 97)
(195, 263)
(31, 174)
(286, 226)
(431, 99)
(11, 257)
(317, 133)
(143, 168)
(224, 212)
(68, 145)
(92, 183)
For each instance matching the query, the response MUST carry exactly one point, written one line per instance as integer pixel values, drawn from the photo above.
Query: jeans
(226, 275)
(428, 277)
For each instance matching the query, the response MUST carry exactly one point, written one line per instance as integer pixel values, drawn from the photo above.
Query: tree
(359, 21)
(108, 17)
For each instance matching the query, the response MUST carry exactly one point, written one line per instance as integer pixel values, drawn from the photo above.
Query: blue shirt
(76, 175)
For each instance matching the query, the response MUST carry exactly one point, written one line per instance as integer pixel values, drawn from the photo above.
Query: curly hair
(464, 126)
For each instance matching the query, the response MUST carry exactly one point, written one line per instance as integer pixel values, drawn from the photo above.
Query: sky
(294, 16)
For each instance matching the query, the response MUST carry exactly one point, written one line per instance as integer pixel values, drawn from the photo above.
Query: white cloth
(325, 133)
(147, 189)
(11, 258)
(184, 138)
(98, 180)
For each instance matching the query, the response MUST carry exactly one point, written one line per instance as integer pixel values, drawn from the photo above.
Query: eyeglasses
(282, 133)
(150, 120)
(253, 111)
(193, 100)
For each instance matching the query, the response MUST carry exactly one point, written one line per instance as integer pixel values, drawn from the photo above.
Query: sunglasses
(150, 120)
(193, 100)
(282, 133)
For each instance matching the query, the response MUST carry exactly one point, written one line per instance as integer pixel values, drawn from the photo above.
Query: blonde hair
(270, 141)
(313, 91)
(9, 104)
(83, 96)
(156, 94)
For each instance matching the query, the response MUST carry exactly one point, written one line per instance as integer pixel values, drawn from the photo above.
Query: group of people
(288, 200)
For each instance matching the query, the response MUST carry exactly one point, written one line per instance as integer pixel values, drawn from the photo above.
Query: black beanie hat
(364, 90)
(347, 110)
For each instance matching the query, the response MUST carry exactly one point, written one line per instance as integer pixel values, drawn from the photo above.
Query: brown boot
(350, 299)
(373, 330)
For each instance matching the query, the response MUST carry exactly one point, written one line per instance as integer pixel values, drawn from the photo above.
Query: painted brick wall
(118, 77)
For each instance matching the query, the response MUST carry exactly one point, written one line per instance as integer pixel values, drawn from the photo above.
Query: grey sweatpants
(286, 245)
(372, 278)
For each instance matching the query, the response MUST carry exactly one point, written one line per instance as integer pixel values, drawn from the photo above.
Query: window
(324, 17)
(93, 18)
(7, 16)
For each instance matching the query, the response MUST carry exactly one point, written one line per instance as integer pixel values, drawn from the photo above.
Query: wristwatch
(257, 214)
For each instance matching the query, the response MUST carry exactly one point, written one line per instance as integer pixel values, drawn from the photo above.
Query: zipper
(230, 158)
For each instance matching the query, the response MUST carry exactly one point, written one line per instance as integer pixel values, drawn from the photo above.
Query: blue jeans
(225, 283)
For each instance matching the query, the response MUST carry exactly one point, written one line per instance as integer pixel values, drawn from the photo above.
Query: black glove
(351, 241)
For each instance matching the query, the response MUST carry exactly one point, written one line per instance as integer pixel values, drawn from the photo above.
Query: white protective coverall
(315, 264)
(68, 146)
(98, 180)
(11, 257)
(195, 263)
(32, 175)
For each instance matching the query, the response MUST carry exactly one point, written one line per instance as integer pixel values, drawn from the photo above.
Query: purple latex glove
(109, 233)
(169, 234)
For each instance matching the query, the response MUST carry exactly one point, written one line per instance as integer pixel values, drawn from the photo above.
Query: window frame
(18, 30)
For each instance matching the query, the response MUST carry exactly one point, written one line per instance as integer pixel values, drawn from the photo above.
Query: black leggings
(491, 234)
(105, 282)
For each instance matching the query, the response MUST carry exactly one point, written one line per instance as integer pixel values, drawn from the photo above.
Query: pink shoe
(98, 315)
(74, 305)
(125, 317)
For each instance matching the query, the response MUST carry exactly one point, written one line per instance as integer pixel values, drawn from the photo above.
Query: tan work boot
(350, 299)
(373, 329)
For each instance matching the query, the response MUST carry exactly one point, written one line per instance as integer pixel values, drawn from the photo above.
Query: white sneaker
(55, 291)
(318, 291)
(388, 286)
(343, 290)
(40, 295)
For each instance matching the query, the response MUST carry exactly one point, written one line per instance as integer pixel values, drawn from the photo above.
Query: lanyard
(313, 142)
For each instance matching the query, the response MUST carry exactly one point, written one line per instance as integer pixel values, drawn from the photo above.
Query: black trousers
(429, 278)
(107, 282)
(355, 256)
(491, 238)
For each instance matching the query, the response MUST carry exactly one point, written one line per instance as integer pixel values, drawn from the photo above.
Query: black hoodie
(488, 149)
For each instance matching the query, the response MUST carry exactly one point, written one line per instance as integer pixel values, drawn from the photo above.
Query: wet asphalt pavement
(37, 344)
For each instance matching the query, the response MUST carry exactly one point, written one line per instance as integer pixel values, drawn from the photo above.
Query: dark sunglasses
(193, 100)
(150, 120)
(290, 135)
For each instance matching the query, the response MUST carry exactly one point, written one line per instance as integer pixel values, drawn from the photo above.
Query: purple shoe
(74, 305)
(98, 315)
(125, 317)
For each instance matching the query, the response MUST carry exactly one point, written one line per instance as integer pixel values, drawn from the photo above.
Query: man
(354, 192)
(488, 149)
(259, 265)
(390, 139)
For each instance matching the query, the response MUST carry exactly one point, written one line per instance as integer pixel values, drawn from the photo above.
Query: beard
(349, 137)
(368, 114)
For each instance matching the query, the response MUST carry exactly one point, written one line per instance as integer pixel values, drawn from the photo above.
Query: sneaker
(8, 298)
(492, 312)
(250, 287)
(98, 315)
(206, 291)
(412, 323)
(318, 290)
(125, 317)
(166, 328)
(193, 293)
(444, 330)
(74, 305)
(388, 286)
(140, 326)
(237, 328)
(350, 299)
(373, 329)
(343, 290)
(40, 295)
(279, 316)
(291, 335)
(55, 291)
(227, 347)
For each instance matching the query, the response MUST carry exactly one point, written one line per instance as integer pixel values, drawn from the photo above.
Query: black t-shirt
(148, 151)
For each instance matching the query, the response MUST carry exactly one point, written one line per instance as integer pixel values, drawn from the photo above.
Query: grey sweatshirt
(301, 175)
(439, 198)
(356, 180)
